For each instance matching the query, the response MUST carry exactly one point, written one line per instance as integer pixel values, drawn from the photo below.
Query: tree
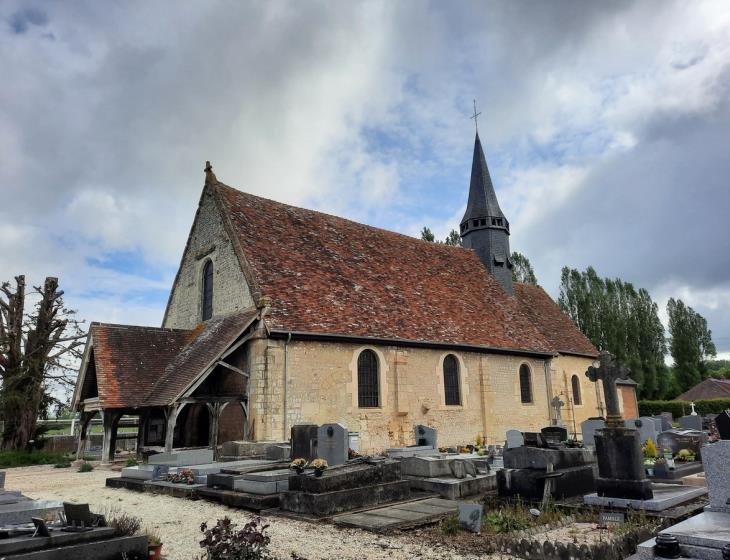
(522, 270)
(453, 238)
(38, 352)
(690, 343)
(619, 319)
(427, 235)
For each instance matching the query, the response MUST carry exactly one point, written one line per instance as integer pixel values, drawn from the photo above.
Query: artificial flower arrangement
(185, 476)
(319, 466)
(298, 465)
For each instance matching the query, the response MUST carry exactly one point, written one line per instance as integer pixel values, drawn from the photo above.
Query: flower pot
(299, 470)
(318, 472)
(154, 551)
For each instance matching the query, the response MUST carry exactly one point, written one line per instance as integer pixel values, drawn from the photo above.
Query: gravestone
(674, 440)
(715, 460)
(666, 421)
(426, 436)
(332, 443)
(470, 517)
(588, 430)
(691, 422)
(78, 515)
(618, 449)
(515, 439)
(534, 439)
(304, 441)
(2, 479)
(646, 426)
(722, 422)
(554, 434)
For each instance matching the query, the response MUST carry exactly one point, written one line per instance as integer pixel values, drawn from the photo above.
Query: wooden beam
(212, 399)
(233, 368)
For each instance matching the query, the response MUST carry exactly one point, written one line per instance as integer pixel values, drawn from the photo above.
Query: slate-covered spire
(482, 198)
(484, 227)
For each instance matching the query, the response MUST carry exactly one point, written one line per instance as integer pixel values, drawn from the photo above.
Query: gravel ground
(178, 520)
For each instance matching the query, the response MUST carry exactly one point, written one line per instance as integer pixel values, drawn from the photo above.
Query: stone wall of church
(591, 394)
(208, 240)
(323, 388)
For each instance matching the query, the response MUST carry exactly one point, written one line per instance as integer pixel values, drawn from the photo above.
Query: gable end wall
(208, 240)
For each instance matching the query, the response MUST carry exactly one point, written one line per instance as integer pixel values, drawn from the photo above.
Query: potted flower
(649, 466)
(154, 544)
(298, 465)
(319, 466)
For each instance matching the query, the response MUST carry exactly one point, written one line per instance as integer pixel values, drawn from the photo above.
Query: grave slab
(23, 511)
(453, 488)
(665, 496)
(260, 487)
(397, 516)
(347, 477)
(182, 457)
(255, 502)
(109, 549)
(413, 451)
(330, 503)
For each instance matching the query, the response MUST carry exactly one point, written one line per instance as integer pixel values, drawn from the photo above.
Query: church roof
(330, 276)
(706, 390)
(482, 198)
(150, 366)
(129, 359)
(560, 331)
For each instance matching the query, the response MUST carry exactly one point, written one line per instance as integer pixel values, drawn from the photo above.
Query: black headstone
(304, 441)
(722, 421)
(555, 434)
(534, 439)
(77, 514)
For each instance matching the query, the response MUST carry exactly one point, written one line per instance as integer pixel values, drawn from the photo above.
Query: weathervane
(476, 125)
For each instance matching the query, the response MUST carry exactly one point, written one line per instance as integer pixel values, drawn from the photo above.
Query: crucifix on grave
(609, 372)
(557, 404)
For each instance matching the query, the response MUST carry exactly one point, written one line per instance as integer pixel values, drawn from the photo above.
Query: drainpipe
(286, 384)
(549, 388)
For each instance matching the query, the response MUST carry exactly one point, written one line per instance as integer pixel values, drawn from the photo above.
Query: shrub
(86, 467)
(62, 465)
(25, 458)
(450, 525)
(681, 408)
(124, 525)
(650, 450)
(223, 542)
(132, 463)
(506, 522)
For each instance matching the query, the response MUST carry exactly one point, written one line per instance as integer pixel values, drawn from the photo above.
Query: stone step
(255, 502)
(330, 503)
(136, 484)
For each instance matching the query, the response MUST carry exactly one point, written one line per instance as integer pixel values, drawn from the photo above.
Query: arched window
(451, 380)
(207, 290)
(368, 390)
(575, 382)
(525, 384)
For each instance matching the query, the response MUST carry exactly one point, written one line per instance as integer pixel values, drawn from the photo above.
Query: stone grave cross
(557, 405)
(609, 372)
(694, 412)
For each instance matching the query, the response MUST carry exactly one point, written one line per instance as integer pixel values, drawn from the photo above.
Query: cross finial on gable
(210, 177)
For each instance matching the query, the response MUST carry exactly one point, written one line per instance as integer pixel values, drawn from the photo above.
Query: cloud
(604, 127)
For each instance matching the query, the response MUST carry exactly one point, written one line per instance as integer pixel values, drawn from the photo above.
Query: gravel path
(178, 520)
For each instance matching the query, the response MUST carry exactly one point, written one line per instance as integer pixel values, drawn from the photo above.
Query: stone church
(280, 315)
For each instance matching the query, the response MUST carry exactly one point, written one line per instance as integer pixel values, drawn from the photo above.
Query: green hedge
(680, 408)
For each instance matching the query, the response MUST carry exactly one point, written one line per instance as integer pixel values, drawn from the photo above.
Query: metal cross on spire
(476, 125)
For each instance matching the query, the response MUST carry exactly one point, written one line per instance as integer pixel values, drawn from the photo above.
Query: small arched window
(525, 384)
(575, 382)
(451, 380)
(368, 390)
(207, 290)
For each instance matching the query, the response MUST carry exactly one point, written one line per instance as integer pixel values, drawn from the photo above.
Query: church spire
(484, 227)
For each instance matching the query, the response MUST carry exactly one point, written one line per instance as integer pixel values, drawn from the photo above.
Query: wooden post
(171, 414)
(83, 432)
(214, 409)
(144, 417)
(110, 420)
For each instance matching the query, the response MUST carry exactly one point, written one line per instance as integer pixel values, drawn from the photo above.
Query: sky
(605, 126)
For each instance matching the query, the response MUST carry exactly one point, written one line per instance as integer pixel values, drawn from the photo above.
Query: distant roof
(559, 329)
(329, 275)
(706, 390)
(149, 366)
